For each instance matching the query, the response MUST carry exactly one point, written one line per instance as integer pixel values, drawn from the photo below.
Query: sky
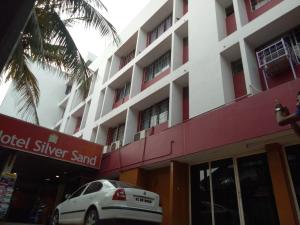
(120, 14)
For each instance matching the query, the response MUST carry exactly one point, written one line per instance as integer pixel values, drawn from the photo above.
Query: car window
(119, 184)
(78, 192)
(93, 187)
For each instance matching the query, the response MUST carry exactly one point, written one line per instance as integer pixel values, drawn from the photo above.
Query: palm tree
(46, 41)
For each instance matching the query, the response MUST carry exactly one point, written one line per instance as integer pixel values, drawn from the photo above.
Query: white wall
(205, 79)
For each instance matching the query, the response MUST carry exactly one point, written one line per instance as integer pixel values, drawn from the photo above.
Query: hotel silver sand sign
(21, 136)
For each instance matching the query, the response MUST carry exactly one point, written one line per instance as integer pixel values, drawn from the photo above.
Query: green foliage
(47, 41)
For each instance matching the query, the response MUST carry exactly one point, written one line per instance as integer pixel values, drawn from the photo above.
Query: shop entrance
(40, 185)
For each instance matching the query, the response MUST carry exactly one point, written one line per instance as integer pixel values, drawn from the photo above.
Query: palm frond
(71, 59)
(47, 42)
(92, 17)
(25, 84)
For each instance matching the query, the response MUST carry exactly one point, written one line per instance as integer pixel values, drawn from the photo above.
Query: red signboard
(26, 137)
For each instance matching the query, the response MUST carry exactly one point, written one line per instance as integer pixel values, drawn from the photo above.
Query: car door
(69, 209)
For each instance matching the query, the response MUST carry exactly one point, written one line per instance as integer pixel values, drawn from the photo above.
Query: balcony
(275, 61)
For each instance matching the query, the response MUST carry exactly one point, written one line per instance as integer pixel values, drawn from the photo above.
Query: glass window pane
(163, 117)
(78, 192)
(149, 73)
(225, 197)
(161, 29)
(200, 195)
(115, 134)
(168, 22)
(121, 132)
(257, 193)
(146, 119)
(94, 187)
(153, 35)
(293, 156)
(127, 89)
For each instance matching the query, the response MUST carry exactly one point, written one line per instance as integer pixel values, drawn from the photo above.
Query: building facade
(185, 107)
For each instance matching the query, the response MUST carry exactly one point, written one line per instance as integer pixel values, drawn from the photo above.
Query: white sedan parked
(104, 201)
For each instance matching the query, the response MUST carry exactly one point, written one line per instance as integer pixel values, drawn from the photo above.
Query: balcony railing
(275, 55)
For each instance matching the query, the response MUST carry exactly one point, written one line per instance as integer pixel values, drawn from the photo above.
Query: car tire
(91, 217)
(54, 219)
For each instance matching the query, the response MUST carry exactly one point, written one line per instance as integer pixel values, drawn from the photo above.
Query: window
(123, 92)
(256, 4)
(185, 54)
(119, 184)
(78, 192)
(229, 10)
(185, 6)
(160, 29)
(116, 134)
(237, 67)
(157, 66)
(155, 115)
(214, 196)
(93, 187)
(126, 59)
(78, 124)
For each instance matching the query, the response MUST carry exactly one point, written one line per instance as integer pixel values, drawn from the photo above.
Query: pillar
(133, 177)
(179, 194)
(281, 185)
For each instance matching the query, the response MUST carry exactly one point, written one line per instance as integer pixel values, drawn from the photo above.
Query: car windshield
(119, 184)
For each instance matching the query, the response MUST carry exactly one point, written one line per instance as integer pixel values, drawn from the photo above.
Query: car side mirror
(67, 196)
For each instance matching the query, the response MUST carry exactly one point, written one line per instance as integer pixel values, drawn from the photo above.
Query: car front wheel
(91, 217)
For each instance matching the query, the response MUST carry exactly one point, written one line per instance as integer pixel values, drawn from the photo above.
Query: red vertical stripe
(185, 104)
(185, 6)
(185, 53)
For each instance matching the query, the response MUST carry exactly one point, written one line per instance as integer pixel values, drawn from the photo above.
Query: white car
(105, 201)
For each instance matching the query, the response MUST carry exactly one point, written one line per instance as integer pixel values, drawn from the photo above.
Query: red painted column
(185, 104)
(185, 6)
(185, 54)
(281, 185)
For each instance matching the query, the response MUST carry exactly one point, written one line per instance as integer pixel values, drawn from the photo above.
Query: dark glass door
(200, 191)
(293, 157)
(257, 193)
(224, 193)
